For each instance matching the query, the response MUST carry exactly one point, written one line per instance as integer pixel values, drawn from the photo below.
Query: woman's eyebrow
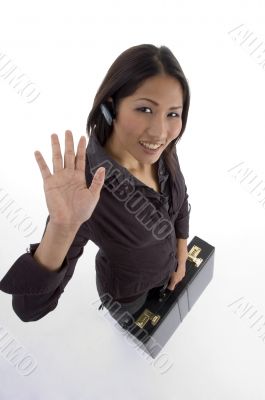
(154, 102)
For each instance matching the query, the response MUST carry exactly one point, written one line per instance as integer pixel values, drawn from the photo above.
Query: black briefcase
(156, 321)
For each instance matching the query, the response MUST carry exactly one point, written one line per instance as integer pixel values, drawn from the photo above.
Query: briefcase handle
(164, 294)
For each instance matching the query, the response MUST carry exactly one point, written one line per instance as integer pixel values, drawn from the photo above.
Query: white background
(66, 48)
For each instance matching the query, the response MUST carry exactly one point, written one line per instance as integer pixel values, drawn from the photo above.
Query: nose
(158, 128)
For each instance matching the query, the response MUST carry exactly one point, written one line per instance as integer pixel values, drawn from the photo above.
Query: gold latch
(192, 255)
(146, 316)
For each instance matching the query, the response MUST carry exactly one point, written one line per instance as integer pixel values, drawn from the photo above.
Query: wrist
(181, 264)
(62, 230)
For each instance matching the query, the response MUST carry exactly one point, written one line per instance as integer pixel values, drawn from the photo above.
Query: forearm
(182, 255)
(54, 247)
(182, 251)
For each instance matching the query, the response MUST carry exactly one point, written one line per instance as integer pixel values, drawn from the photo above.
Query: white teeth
(150, 146)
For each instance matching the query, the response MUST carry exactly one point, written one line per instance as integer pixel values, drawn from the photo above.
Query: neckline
(131, 176)
(127, 174)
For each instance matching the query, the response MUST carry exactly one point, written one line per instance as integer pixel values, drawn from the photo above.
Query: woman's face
(142, 120)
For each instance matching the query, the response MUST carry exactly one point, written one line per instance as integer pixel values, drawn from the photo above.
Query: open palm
(70, 202)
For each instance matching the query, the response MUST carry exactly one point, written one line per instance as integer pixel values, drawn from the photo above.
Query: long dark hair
(123, 78)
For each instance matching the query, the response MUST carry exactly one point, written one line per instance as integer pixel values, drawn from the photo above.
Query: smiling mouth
(150, 146)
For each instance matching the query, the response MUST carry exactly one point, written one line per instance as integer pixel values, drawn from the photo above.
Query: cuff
(182, 224)
(27, 276)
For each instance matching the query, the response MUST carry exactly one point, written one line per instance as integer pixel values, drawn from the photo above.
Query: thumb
(170, 285)
(98, 180)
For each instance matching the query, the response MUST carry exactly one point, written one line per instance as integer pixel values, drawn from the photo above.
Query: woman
(125, 192)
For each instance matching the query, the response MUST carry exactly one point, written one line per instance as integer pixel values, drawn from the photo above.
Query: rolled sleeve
(35, 289)
(27, 276)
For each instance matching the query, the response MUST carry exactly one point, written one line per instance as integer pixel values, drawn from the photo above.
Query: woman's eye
(143, 108)
(147, 108)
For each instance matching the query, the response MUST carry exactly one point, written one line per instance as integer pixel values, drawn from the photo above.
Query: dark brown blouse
(135, 228)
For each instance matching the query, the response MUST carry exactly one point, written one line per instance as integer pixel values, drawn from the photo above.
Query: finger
(44, 169)
(57, 159)
(80, 158)
(69, 154)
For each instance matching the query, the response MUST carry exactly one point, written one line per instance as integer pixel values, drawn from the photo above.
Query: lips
(150, 151)
(146, 142)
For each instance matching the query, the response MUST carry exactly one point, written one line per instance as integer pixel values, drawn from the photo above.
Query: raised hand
(70, 202)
